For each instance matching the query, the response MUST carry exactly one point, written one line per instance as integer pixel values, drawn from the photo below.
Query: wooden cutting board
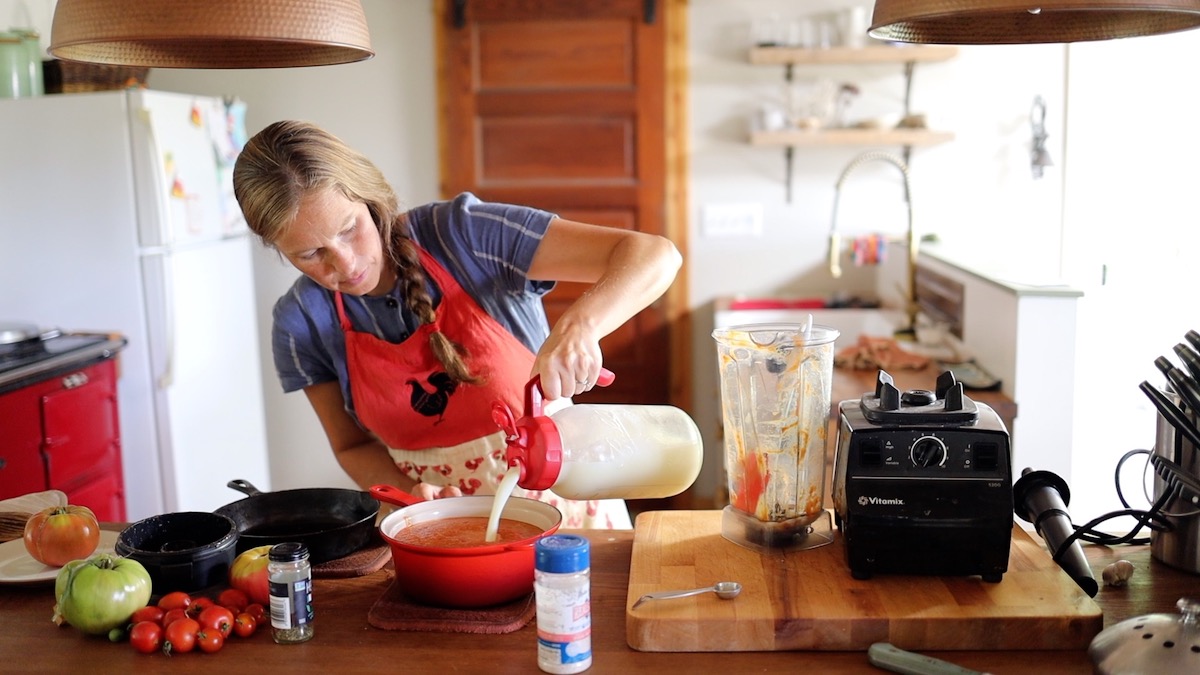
(808, 600)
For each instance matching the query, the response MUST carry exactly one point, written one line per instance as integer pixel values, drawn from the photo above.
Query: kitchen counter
(345, 642)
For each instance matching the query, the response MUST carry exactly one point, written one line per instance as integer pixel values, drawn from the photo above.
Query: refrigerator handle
(158, 281)
(157, 178)
(167, 378)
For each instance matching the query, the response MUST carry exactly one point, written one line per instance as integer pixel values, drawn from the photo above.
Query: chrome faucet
(912, 241)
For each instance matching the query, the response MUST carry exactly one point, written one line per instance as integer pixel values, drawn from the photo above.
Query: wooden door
(562, 105)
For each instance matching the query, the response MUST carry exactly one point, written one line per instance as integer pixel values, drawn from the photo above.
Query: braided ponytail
(412, 279)
(288, 160)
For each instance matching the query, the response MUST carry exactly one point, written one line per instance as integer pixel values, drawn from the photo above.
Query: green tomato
(100, 593)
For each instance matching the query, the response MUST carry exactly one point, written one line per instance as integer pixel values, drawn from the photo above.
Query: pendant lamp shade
(978, 22)
(210, 33)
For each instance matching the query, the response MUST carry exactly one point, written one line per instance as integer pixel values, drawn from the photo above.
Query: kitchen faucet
(911, 242)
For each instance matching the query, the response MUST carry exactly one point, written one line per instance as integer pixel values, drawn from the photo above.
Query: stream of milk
(503, 492)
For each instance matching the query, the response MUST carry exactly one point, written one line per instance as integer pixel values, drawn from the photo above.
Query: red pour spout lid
(533, 441)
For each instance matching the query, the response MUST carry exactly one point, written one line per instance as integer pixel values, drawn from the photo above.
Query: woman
(406, 326)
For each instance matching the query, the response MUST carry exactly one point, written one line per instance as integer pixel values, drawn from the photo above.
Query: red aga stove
(58, 417)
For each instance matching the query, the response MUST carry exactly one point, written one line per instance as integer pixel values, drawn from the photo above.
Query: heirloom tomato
(100, 593)
(248, 574)
(59, 534)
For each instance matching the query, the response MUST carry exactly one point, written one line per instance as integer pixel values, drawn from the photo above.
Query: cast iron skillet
(331, 522)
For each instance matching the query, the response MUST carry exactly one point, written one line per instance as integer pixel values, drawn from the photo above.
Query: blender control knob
(928, 451)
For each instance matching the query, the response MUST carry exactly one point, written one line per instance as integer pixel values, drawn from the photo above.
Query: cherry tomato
(209, 641)
(146, 637)
(148, 613)
(258, 612)
(217, 618)
(198, 606)
(173, 615)
(233, 598)
(244, 625)
(180, 636)
(175, 600)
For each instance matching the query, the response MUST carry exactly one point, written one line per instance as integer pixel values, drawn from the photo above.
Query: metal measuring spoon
(726, 590)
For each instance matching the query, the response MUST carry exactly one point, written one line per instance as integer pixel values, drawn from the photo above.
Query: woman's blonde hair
(289, 160)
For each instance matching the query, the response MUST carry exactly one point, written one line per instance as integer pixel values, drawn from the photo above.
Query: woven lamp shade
(979, 22)
(210, 33)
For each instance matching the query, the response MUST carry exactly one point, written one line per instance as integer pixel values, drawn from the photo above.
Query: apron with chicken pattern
(439, 431)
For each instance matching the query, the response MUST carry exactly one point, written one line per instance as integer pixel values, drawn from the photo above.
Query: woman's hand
(427, 491)
(628, 270)
(569, 361)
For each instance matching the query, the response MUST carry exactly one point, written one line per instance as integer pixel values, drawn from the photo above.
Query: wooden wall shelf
(767, 56)
(841, 137)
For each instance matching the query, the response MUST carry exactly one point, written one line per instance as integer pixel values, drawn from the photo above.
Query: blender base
(794, 534)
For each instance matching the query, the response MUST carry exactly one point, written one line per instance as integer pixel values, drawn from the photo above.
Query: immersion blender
(1041, 497)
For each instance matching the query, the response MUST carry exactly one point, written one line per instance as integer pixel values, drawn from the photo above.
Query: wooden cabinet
(62, 433)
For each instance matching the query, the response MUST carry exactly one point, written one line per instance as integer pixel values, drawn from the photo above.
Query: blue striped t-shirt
(486, 247)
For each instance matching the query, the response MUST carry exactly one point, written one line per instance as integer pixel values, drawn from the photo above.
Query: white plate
(18, 567)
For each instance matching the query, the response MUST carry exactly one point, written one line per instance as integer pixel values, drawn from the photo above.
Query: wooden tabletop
(346, 642)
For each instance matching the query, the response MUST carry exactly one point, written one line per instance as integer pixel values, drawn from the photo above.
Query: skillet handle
(244, 486)
(393, 495)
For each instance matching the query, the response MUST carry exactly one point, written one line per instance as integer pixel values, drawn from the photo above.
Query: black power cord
(1153, 518)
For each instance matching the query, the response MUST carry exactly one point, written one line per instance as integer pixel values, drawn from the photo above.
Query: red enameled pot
(477, 576)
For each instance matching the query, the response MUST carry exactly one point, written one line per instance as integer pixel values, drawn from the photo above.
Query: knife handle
(1190, 359)
(889, 657)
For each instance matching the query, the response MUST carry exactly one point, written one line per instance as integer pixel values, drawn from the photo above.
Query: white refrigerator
(117, 214)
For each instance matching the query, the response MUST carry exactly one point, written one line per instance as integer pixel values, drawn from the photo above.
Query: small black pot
(182, 551)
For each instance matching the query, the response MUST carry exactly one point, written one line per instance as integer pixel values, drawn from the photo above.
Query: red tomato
(233, 598)
(244, 625)
(181, 636)
(175, 600)
(148, 613)
(173, 615)
(217, 618)
(209, 641)
(146, 637)
(57, 535)
(198, 606)
(257, 612)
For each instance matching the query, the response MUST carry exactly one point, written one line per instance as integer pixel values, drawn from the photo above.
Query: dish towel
(394, 611)
(868, 249)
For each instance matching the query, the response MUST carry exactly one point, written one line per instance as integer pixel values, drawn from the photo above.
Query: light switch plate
(731, 220)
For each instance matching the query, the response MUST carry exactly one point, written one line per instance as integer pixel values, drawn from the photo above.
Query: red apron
(401, 391)
(441, 432)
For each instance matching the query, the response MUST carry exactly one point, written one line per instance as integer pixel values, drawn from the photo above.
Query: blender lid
(14, 331)
(1153, 643)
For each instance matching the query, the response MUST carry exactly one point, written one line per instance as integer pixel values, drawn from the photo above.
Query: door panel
(562, 106)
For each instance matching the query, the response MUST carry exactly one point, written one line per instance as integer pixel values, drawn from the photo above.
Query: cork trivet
(367, 560)
(394, 611)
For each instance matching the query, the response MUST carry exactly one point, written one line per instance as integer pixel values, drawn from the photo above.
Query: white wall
(1133, 230)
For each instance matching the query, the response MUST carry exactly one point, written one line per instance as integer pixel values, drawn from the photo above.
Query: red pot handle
(394, 495)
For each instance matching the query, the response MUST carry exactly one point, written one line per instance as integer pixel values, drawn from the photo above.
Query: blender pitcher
(776, 381)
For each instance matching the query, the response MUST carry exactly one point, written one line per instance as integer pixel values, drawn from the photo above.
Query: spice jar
(562, 591)
(290, 579)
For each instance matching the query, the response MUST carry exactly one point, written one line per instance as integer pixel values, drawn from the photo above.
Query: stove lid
(948, 405)
(14, 331)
